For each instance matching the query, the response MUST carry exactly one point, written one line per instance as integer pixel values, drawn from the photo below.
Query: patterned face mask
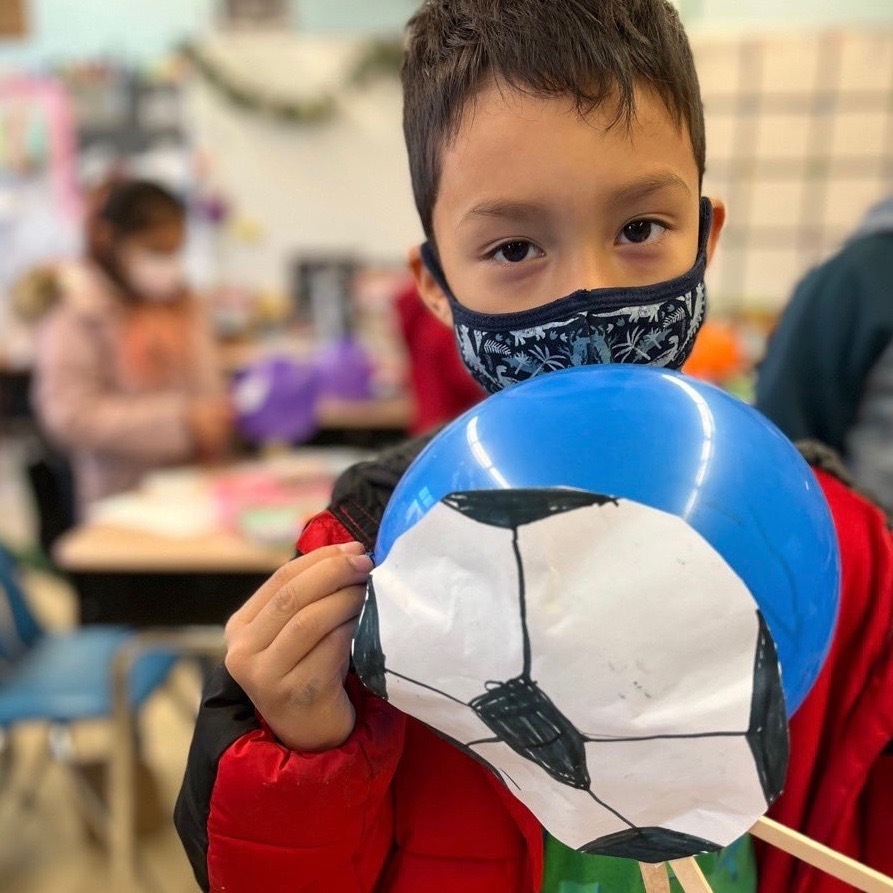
(652, 325)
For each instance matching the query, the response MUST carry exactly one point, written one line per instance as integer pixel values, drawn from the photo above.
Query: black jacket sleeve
(226, 715)
(838, 323)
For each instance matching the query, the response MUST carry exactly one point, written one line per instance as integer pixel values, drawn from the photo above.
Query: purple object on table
(346, 370)
(275, 400)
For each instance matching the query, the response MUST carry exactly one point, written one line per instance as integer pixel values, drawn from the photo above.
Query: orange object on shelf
(718, 354)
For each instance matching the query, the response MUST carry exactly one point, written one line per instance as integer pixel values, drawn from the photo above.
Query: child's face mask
(155, 276)
(653, 325)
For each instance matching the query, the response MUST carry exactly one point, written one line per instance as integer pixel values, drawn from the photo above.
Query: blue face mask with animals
(653, 325)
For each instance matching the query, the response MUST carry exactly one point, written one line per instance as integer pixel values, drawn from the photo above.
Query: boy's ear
(430, 292)
(719, 220)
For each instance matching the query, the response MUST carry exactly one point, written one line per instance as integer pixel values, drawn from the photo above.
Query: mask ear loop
(432, 265)
(705, 225)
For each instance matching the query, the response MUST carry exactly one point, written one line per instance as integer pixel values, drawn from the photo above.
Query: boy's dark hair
(591, 50)
(135, 206)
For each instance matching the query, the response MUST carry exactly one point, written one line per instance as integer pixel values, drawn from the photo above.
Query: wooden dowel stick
(655, 877)
(816, 854)
(690, 876)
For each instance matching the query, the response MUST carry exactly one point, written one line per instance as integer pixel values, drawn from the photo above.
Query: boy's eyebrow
(643, 188)
(515, 210)
(507, 208)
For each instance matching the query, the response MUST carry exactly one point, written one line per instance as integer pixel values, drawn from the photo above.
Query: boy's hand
(288, 646)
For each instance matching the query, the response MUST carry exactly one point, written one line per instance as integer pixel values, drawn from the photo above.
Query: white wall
(354, 15)
(142, 30)
(763, 14)
(332, 187)
(131, 30)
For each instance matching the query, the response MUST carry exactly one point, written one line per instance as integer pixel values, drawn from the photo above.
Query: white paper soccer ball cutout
(598, 654)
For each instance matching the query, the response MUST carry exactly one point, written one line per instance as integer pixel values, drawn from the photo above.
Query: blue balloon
(670, 442)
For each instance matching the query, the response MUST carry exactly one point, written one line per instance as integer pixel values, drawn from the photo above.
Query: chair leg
(122, 785)
(21, 795)
(187, 702)
(128, 875)
(88, 788)
(203, 642)
(7, 758)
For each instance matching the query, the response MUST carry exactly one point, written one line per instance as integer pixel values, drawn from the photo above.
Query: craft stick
(690, 876)
(655, 877)
(816, 854)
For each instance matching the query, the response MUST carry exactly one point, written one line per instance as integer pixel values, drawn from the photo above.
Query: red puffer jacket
(398, 810)
(839, 788)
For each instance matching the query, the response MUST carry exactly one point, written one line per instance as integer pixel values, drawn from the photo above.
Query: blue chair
(87, 673)
(62, 678)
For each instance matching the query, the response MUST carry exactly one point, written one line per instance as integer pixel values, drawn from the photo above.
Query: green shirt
(731, 870)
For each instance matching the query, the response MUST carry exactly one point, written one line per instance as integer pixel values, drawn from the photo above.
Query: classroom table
(126, 566)
(374, 420)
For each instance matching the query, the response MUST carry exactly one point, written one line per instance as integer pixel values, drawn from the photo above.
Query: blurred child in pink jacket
(126, 376)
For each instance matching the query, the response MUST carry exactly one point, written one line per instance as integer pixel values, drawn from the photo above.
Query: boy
(555, 149)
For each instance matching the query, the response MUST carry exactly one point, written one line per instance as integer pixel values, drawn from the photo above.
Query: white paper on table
(603, 659)
(189, 515)
(175, 483)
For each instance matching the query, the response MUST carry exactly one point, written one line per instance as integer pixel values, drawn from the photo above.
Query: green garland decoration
(380, 59)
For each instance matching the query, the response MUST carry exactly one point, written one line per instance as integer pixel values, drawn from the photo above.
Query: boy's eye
(516, 251)
(640, 231)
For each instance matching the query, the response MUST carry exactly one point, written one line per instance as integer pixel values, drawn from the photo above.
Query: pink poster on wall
(38, 110)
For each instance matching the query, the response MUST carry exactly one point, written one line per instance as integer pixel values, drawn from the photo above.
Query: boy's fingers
(324, 665)
(311, 626)
(337, 571)
(285, 574)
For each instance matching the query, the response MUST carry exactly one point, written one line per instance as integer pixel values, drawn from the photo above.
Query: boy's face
(536, 202)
